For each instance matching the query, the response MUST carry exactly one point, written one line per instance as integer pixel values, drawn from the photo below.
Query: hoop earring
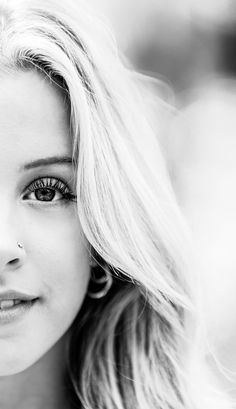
(106, 279)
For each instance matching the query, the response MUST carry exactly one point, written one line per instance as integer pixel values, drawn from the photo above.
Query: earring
(105, 278)
(20, 245)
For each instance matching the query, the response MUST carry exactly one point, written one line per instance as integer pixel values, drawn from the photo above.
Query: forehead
(33, 115)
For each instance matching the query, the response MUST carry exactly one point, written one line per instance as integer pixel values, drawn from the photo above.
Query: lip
(16, 295)
(16, 313)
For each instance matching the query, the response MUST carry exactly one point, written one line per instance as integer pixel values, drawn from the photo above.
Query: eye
(48, 189)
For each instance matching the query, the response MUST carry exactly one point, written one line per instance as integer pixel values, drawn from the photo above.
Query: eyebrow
(52, 160)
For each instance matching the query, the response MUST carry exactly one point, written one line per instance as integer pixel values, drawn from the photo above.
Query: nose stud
(20, 245)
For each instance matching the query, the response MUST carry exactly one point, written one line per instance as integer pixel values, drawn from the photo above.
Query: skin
(202, 146)
(54, 264)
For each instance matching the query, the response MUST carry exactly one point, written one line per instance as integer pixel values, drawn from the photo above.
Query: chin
(14, 363)
(12, 369)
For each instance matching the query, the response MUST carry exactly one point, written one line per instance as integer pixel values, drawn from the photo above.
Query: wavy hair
(129, 349)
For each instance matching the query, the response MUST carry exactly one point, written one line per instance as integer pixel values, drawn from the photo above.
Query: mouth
(11, 303)
(14, 305)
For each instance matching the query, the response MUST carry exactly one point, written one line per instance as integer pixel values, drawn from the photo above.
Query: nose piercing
(20, 245)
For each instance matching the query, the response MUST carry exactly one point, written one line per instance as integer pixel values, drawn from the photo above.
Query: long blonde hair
(130, 349)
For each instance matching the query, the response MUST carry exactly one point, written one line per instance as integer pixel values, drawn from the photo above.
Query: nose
(12, 254)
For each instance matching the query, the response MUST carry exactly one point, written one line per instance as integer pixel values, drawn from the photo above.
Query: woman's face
(38, 210)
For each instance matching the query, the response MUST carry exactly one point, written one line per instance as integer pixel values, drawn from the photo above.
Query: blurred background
(182, 41)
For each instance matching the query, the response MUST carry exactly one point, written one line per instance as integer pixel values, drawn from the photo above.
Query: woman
(92, 244)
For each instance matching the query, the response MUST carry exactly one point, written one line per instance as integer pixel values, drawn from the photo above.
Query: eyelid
(32, 185)
(52, 182)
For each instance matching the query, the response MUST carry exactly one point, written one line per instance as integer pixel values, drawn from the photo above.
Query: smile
(6, 304)
(12, 310)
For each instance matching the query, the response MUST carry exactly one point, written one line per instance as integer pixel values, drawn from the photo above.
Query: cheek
(57, 267)
(59, 253)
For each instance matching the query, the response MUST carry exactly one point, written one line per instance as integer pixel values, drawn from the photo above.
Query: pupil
(45, 194)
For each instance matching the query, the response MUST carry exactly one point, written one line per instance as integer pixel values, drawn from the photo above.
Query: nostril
(14, 261)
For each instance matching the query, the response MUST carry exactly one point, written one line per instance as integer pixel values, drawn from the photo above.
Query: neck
(42, 386)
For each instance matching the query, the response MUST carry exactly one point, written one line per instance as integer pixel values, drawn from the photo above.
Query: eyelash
(55, 185)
